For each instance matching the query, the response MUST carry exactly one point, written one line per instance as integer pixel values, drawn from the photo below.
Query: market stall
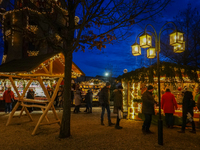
(95, 85)
(173, 76)
(36, 69)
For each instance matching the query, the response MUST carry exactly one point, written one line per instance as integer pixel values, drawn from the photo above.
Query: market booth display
(36, 69)
(95, 85)
(173, 76)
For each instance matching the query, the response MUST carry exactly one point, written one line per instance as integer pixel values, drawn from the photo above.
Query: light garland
(4, 59)
(33, 53)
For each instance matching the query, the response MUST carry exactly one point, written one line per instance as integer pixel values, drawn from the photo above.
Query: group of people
(169, 105)
(9, 98)
(104, 99)
(77, 95)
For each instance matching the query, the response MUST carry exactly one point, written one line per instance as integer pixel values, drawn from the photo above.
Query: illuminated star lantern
(136, 49)
(145, 40)
(151, 52)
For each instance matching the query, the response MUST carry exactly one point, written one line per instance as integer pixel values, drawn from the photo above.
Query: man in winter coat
(7, 97)
(118, 104)
(148, 108)
(187, 108)
(104, 98)
(168, 104)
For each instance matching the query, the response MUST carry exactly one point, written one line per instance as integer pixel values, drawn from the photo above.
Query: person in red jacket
(168, 104)
(7, 95)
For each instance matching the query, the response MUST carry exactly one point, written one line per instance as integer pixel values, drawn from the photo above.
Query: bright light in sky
(106, 74)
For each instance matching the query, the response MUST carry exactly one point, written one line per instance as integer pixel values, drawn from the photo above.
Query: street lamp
(106, 74)
(176, 40)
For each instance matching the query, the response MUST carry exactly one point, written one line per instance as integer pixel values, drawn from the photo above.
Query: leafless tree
(188, 21)
(101, 22)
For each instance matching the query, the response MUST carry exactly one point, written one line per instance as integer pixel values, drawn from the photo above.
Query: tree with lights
(84, 25)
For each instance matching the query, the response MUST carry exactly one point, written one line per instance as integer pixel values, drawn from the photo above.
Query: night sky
(118, 56)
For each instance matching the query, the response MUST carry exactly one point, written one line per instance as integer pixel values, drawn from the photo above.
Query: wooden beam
(41, 75)
(46, 115)
(32, 105)
(44, 89)
(53, 98)
(45, 69)
(15, 76)
(15, 88)
(12, 113)
(34, 101)
(51, 67)
(26, 88)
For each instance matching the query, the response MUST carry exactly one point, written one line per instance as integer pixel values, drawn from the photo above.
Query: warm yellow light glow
(179, 48)
(151, 52)
(145, 40)
(136, 50)
(176, 38)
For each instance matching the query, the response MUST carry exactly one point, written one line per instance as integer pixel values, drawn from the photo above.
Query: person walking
(88, 99)
(148, 108)
(8, 95)
(104, 99)
(77, 98)
(187, 108)
(169, 104)
(118, 104)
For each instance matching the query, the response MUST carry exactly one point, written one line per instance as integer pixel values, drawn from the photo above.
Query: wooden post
(45, 69)
(50, 104)
(51, 66)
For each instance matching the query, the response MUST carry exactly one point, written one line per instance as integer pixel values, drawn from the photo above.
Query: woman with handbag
(8, 96)
(118, 105)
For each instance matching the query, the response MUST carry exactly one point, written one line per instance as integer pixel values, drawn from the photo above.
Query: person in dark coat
(148, 108)
(168, 104)
(104, 98)
(88, 99)
(30, 95)
(187, 110)
(118, 104)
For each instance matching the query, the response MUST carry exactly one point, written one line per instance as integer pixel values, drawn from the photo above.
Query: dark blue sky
(119, 56)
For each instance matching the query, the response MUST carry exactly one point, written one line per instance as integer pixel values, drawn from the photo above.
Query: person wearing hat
(8, 95)
(148, 108)
(104, 99)
(118, 104)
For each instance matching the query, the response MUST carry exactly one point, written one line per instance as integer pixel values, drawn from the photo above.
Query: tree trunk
(65, 124)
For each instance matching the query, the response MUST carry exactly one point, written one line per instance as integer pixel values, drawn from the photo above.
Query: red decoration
(179, 88)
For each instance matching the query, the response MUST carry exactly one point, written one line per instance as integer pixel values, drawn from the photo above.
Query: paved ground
(87, 133)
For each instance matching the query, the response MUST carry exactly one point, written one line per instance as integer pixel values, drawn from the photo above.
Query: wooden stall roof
(49, 64)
